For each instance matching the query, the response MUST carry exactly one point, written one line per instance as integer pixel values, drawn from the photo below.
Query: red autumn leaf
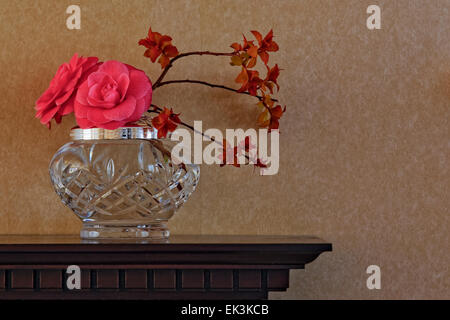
(264, 118)
(275, 115)
(268, 44)
(244, 47)
(242, 77)
(248, 53)
(270, 116)
(159, 45)
(265, 45)
(250, 81)
(260, 163)
(228, 155)
(165, 122)
(246, 145)
(170, 51)
(236, 46)
(272, 75)
(276, 112)
(163, 61)
(264, 57)
(252, 51)
(254, 82)
(251, 63)
(257, 35)
(247, 44)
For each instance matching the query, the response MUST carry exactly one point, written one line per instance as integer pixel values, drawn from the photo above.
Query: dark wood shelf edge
(36, 271)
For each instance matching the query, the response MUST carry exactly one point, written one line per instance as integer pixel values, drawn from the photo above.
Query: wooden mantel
(185, 267)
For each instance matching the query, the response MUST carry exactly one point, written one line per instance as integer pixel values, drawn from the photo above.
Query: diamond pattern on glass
(121, 180)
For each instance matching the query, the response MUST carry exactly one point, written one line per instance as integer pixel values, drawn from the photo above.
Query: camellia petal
(138, 111)
(45, 99)
(59, 101)
(113, 68)
(111, 97)
(140, 84)
(82, 94)
(113, 125)
(67, 107)
(123, 84)
(80, 109)
(95, 98)
(84, 123)
(98, 77)
(122, 111)
(61, 91)
(96, 115)
(49, 114)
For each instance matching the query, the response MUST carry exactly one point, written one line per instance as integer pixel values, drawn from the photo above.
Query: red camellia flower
(112, 96)
(165, 122)
(58, 100)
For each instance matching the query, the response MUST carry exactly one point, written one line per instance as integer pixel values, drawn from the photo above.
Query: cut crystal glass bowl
(122, 183)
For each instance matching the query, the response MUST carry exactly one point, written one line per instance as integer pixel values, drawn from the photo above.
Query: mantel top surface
(294, 251)
(174, 239)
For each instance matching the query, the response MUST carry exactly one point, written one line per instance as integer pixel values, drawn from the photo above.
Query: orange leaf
(149, 33)
(258, 36)
(264, 57)
(269, 36)
(170, 51)
(272, 75)
(252, 62)
(236, 46)
(152, 53)
(242, 77)
(268, 100)
(252, 51)
(277, 112)
(165, 122)
(274, 124)
(164, 40)
(164, 61)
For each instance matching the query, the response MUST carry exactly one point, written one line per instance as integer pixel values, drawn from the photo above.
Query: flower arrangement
(113, 94)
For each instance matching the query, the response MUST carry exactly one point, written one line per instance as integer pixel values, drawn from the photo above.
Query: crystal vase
(122, 183)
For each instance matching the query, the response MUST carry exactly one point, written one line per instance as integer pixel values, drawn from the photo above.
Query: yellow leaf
(261, 106)
(236, 61)
(264, 118)
(268, 100)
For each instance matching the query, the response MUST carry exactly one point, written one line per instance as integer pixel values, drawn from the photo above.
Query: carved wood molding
(181, 270)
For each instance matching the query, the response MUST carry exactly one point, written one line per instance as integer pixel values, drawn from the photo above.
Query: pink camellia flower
(112, 96)
(58, 99)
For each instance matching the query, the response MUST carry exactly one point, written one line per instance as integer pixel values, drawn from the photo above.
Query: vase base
(155, 231)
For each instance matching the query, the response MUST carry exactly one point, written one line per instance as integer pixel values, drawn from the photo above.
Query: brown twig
(157, 109)
(212, 85)
(186, 54)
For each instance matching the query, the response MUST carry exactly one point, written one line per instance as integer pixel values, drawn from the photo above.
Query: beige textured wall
(364, 145)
